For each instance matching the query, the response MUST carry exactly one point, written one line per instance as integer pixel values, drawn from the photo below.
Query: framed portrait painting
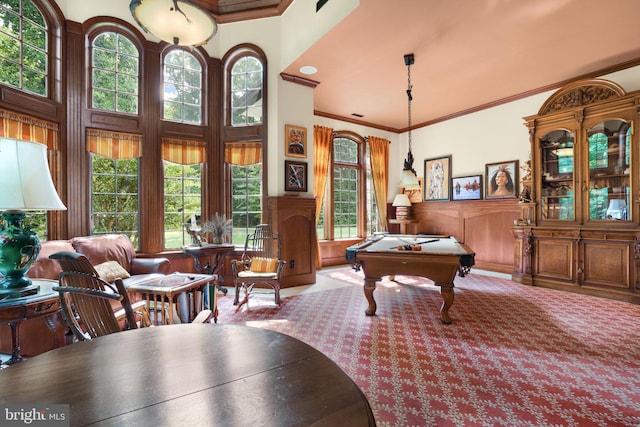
(502, 180)
(437, 178)
(295, 141)
(295, 176)
(466, 188)
(415, 196)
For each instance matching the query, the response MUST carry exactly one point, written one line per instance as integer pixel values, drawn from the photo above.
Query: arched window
(182, 76)
(114, 73)
(244, 138)
(24, 56)
(246, 91)
(349, 207)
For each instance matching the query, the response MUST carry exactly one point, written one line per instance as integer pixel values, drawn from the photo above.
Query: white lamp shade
(401, 200)
(190, 25)
(25, 180)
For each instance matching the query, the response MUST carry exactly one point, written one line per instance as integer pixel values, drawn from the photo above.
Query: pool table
(435, 257)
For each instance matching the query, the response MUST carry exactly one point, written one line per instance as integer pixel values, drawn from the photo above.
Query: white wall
(489, 136)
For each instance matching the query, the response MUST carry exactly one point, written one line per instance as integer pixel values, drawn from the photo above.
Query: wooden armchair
(260, 264)
(88, 310)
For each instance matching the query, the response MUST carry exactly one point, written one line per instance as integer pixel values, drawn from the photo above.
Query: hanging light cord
(408, 163)
(409, 99)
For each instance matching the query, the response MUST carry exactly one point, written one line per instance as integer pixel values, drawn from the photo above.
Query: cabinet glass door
(557, 201)
(609, 145)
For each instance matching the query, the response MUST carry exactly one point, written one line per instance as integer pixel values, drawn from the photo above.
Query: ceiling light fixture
(409, 177)
(308, 69)
(179, 22)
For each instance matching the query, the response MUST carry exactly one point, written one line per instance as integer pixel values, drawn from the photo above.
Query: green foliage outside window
(182, 87)
(345, 188)
(182, 201)
(246, 92)
(598, 151)
(23, 46)
(246, 200)
(114, 196)
(114, 74)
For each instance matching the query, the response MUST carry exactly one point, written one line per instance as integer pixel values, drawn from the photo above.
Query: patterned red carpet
(514, 355)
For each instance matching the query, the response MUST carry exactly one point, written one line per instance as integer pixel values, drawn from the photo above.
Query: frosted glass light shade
(409, 180)
(178, 22)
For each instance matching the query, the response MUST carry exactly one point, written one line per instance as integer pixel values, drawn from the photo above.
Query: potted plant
(219, 227)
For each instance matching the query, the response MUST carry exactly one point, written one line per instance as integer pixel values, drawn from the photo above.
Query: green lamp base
(19, 248)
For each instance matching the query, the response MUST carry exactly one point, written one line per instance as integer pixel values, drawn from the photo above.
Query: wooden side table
(15, 310)
(213, 254)
(403, 223)
(162, 293)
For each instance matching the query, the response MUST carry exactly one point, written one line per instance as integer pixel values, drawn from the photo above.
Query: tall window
(245, 169)
(182, 201)
(246, 91)
(114, 73)
(23, 47)
(183, 160)
(349, 208)
(182, 87)
(114, 196)
(114, 182)
(244, 137)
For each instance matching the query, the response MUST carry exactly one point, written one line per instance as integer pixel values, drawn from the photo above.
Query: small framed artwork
(295, 141)
(502, 179)
(466, 188)
(415, 196)
(437, 178)
(295, 176)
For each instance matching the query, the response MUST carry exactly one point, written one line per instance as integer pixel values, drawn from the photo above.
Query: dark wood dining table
(191, 375)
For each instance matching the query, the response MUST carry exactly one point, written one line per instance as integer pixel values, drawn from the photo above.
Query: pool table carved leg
(447, 295)
(369, 287)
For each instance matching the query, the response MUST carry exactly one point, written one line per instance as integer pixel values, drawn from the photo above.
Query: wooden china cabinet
(585, 231)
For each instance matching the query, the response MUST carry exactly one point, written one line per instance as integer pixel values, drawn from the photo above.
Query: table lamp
(402, 204)
(26, 184)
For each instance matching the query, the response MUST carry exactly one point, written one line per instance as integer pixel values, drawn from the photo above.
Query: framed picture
(415, 196)
(466, 188)
(295, 176)
(437, 178)
(502, 180)
(295, 141)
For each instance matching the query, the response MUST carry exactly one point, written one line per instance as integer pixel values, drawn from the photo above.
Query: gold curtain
(114, 145)
(183, 151)
(242, 153)
(322, 141)
(379, 148)
(21, 126)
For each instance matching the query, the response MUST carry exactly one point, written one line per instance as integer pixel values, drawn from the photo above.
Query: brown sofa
(99, 249)
(45, 333)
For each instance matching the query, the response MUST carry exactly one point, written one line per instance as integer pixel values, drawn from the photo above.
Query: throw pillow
(264, 265)
(109, 271)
